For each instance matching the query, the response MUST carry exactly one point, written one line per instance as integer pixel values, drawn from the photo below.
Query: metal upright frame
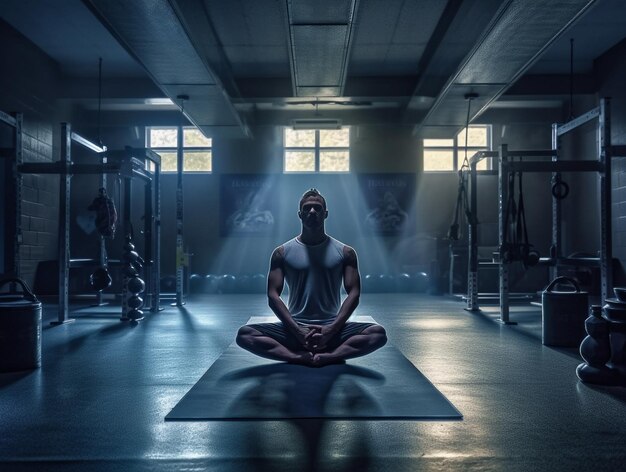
(13, 195)
(601, 165)
(125, 163)
(180, 251)
(472, 241)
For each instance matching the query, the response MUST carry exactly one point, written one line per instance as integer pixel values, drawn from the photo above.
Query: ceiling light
(316, 123)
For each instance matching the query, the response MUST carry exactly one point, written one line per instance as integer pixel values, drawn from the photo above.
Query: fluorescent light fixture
(158, 102)
(316, 123)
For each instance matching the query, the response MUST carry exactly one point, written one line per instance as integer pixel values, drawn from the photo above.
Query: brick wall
(611, 69)
(40, 200)
(28, 84)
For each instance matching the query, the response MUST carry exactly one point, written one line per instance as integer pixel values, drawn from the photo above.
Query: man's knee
(378, 333)
(244, 336)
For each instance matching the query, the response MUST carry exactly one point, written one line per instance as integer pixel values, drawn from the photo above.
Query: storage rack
(130, 163)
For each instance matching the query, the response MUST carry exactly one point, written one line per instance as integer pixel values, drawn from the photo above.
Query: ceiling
(239, 63)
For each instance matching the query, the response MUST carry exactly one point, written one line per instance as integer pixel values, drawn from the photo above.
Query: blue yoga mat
(381, 385)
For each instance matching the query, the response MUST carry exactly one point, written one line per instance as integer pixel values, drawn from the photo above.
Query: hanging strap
(511, 211)
(522, 230)
(462, 207)
(529, 256)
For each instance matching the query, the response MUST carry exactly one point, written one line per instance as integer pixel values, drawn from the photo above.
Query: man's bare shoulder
(278, 256)
(349, 254)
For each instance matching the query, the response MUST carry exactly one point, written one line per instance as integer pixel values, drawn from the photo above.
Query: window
(448, 154)
(197, 156)
(317, 150)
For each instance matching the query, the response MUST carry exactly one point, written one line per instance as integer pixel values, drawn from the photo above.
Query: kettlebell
(100, 279)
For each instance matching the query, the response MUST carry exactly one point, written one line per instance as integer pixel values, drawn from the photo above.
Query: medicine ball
(196, 281)
(259, 284)
(210, 284)
(227, 283)
(403, 282)
(421, 282)
(136, 285)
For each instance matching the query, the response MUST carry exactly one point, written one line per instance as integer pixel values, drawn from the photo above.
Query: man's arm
(352, 284)
(275, 283)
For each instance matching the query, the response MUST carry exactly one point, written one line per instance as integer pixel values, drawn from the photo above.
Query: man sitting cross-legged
(313, 330)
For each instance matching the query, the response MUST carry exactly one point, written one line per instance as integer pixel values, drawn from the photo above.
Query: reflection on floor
(99, 401)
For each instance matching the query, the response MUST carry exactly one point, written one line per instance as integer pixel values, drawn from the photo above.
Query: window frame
(458, 150)
(174, 149)
(316, 149)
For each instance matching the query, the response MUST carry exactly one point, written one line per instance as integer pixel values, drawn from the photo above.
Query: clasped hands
(315, 338)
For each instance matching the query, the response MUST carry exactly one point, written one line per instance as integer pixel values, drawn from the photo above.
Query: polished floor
(99, 401)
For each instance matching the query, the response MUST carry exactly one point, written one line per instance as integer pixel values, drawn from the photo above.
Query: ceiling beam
(514, 40)
(154, 33)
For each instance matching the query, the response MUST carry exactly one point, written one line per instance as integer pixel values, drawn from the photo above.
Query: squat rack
(13, 195)
(601, 165)
(129, 163)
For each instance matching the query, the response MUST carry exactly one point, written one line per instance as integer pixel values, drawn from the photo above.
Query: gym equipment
(100, 279)
(196, 283)
(106, 214)
(563, 314)
(244, 284)
(381, 385)
(386, 283)
(601, 165)
(210, 284)
(560, 189)
(516, 246)
(168, 284)
(604, 349)
(404, 282)
(20, 328)
(421, 282)
(461, 208)
(259, 284)
(129, 163)
(181, 260)
(227, 283)
(133, 285)
(368, 283)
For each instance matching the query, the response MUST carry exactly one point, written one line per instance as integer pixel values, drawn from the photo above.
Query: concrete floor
(99, 401)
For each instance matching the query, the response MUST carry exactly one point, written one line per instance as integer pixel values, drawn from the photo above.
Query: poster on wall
(389, 202)
(248, 204)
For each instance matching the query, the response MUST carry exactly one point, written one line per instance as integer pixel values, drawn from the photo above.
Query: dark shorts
(278, 332)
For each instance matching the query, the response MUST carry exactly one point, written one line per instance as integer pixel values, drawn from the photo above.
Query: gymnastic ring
(560, 190)
(531, 259)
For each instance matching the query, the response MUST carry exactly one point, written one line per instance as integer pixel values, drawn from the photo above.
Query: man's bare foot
(303, 358)
(322, 359)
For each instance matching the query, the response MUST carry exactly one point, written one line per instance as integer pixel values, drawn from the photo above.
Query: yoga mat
(381, 385)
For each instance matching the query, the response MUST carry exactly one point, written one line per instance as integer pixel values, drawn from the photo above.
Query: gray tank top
(314, 275)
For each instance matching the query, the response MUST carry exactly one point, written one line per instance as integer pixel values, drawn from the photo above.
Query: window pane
(335, 138)
(163, 137)
(192, 137)
(299, 161)
(484, 164)
(438, 160)
(476, 137)
(168, 161)
(299, 138)
(334, 161)
(197, 161)
(439, 142)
